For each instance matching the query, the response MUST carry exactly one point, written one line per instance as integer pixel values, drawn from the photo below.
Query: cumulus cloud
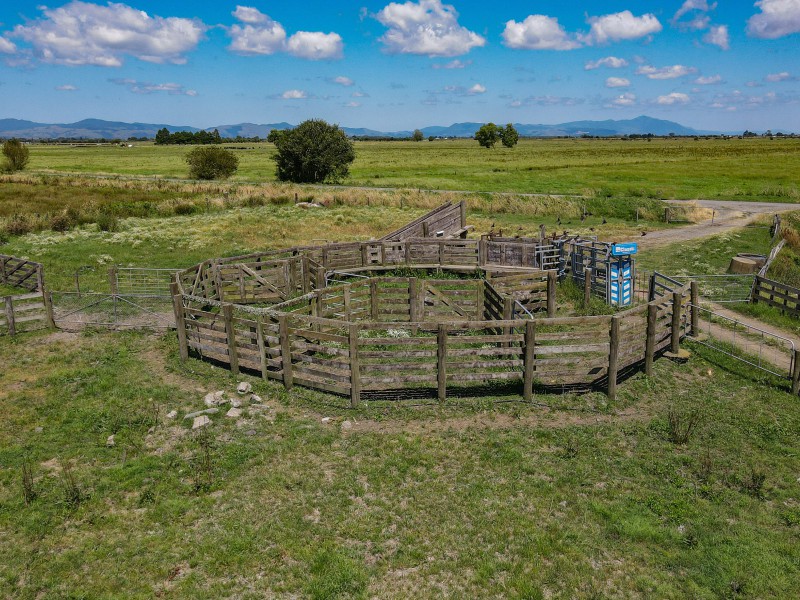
(342, 80)
(718, 36)
(80, 33)
(453, 64)
(538, 32)
(7, 46)
(612, 62)
(66, 88)
(696, 10)
(622, 101)
(617, 82)
(709, 80)
(778, 18)
(736, 100)
(259, 35)
(427, 27)
(476, 89)
(141, 87)
(620, 26)
(673, 98)
(672, 72)
(295, 95)
(352, 104)
(315, 45)
(779, 77)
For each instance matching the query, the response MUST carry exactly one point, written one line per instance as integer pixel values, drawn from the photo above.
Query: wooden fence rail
(772, 293)
(31, 310)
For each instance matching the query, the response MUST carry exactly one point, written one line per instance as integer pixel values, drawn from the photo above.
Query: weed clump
(681, 425)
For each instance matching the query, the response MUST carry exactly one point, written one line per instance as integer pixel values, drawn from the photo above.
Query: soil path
(728, 216)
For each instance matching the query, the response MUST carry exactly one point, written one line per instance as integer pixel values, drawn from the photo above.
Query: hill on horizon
(100, 129)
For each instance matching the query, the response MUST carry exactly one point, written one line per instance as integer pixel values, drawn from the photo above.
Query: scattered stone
(250, 432)
(208, 411)
(220, 396)
(110, 443)
(244, 388)
(235, 402)
(39, 429)
(346, 426)
(172, 414)
(201, 421)
(210, 399)
(234, 413)
(326, 419)
(255, 399)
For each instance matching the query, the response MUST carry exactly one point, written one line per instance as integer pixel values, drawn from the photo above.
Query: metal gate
(138, 299)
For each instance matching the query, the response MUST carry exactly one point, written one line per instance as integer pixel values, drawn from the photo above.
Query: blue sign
(621, 280)
(624, 249)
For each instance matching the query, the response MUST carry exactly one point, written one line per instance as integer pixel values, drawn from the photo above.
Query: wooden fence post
(180, 322)
(463, 208)
(756, 291)
(483, 251)
(651, 291)
(796, 372)
(355, 371)
(613, 356)
(48, 308)
(695, 308)
(587, 287)
(346, 300)
(480, 299)
(262, 346)
(675, 341)
(286, 351)
(552, 281)
(230, 334)
(3, 261)
(441, 361)
(650, 344)
(112, 281)
(373, 299)
(40, 278)
(306, 275)
(413, 301)
(530, 357)
(10, 322)
(364, 254)
(508, 315)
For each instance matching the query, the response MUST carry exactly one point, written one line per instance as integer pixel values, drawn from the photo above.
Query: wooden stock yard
(30, 310)
(280, 314)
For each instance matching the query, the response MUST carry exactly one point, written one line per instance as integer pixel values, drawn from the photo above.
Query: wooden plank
(529, 365)
(441, 359)
(613, 356)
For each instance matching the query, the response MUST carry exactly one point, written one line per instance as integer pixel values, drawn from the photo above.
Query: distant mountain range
(99, 129)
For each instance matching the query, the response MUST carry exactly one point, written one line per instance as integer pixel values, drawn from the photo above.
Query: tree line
(186, 138)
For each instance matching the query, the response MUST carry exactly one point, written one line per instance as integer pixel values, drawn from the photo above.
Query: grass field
(749, 169)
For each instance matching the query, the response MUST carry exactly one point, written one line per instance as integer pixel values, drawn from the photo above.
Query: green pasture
(747, 169)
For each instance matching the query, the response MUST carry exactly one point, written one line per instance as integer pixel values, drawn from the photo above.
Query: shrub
(210, 162)
(314, 152)
(17, 155)
(61, 222)
(509, 136)
(107, 222)
(18, 225)
(682, 425)
(185, 208)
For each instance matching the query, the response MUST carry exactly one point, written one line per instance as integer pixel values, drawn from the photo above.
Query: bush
(488, 135)
(185, 208)
(209, 162)
(509, 136)
(17, 155)
(62, 222)
(107, 222)
(314, 152)
(18, 225)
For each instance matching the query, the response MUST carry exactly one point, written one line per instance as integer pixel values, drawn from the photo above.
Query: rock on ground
(201, 421)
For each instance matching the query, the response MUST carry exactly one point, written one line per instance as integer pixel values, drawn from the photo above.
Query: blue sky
(726, 65)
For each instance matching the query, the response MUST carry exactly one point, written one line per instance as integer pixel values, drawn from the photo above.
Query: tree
(274, 135)
(509, 136)
(162, 136)
(314, 152)
(17, 155)
(211, 163)
(488, 135)
(417, 136)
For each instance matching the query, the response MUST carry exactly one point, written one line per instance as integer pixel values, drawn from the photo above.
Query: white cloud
(294, 95)
(778, 18)
(476, 89)
(710, 80)
(538, 32)
(250, 15)
(259, 36)
(672, 72)
(718, 36)
(66, 88)
(315, 45)
(352, 105)
(359, 95)
(342, 80)
(7, 46)
(617, 82)
(80, 33)
(427, 27)
(778, 77)
(141, 87)
(673, 98)
(697, 10)
(547, 101)
(612, 62)
(453, 64)
(620, 26)
(626, 99)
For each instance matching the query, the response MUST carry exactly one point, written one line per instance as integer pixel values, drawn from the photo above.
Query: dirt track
(728, 216)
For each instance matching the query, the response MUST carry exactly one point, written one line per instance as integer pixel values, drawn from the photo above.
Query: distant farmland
(749, 169)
